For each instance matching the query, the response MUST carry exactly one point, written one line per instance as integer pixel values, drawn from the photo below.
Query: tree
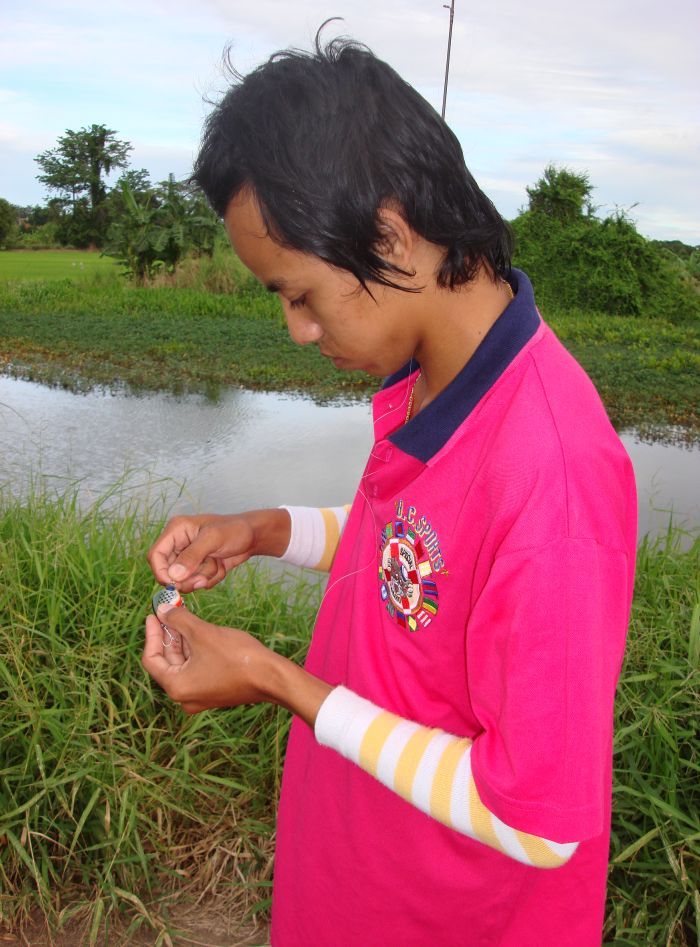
(8, 220)
(561, 194)
(137, 183)
(157, 228)
(76, 169)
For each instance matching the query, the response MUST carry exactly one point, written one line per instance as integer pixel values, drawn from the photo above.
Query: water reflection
(245, 450)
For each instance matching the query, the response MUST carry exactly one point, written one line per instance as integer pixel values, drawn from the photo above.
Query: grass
(115, 809)
(113, 805)
(178, 335)
(653, 891)
(51, 264)
(161, 337)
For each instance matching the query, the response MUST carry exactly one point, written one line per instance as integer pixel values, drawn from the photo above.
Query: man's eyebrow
(276, 285)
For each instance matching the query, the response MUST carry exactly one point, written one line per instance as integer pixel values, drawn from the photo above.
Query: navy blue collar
(432, 427)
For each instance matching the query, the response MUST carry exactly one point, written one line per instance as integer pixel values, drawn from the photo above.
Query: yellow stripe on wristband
(441, 791)
(330, 523)
(374, 739)
(538, 851)
(408, 761)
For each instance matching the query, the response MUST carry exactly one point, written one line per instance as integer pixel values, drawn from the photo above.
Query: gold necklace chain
(409, 409)
(410, 399)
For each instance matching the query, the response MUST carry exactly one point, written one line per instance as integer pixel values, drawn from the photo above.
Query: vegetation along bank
(167, 307)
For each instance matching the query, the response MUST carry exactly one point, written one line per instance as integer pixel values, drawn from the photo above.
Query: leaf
(83, 819)
(635, 846)
(694, 638)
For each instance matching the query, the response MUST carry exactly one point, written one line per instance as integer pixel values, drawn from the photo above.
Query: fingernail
(164, 609)
(177, 571)
(199, 584)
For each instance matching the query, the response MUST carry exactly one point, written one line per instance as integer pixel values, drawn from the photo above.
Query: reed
(654, 881)
(113, 804)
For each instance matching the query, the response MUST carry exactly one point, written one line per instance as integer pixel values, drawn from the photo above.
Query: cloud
(604, 87)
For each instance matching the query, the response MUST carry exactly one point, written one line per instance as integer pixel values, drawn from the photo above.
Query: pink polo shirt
(482, 585)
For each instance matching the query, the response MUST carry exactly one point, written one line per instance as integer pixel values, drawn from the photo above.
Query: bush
(602, 266)
(44, 237)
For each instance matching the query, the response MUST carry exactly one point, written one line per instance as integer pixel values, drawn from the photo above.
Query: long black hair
(323, 140)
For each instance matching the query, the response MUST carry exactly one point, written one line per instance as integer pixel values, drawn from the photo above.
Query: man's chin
(345, 365)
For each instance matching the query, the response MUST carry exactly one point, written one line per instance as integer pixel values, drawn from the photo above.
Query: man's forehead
(243, 218)
(252, 242)
(278, 268)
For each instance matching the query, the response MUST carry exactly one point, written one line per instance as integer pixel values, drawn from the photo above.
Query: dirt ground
(204, 926)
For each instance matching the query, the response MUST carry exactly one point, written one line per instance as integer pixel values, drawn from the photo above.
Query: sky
(610, 87)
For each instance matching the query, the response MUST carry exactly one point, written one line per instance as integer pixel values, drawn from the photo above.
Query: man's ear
(396, 240)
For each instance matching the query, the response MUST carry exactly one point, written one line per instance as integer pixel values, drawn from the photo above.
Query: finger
(199, 581)
(153, 658)
(209, 574)
(175, 647)
(191, 707)
(185, 623)
(198, 556)
(177, 535)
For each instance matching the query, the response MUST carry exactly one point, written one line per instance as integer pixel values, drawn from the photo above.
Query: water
(247, 450)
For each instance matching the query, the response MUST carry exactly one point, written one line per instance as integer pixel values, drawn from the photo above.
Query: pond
(246, 450)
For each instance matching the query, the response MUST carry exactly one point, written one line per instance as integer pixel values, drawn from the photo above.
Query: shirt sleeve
(545, 642)
(314, 536)
(428, 768)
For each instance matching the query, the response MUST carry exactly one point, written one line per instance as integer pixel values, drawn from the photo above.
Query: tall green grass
(114, 806)
(654, 885)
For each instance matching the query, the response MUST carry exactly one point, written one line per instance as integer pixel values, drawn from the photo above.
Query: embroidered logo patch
(407, 574)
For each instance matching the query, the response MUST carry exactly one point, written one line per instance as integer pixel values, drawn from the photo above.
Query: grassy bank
(116, 810)
(181, 337)
(157, 338)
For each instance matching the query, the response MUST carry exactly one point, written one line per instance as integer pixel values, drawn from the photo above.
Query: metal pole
(451, 8)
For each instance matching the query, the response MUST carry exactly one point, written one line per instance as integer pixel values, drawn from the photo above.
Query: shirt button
(374, 491)
(389, 452)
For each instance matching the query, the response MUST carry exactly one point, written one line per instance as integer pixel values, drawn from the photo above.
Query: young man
(448, 774)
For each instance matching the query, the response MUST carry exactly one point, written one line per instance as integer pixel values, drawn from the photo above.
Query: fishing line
(371, 561)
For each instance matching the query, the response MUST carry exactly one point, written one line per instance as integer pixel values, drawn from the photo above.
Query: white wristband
(314, 535)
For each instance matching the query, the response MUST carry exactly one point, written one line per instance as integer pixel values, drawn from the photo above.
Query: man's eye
(297, 303)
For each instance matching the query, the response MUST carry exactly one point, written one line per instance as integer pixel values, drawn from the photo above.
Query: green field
(51, 264)
(116, 809)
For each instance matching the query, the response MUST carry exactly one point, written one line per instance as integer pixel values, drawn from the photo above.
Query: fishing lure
(167, 596)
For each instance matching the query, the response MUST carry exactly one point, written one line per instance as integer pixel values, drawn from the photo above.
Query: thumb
(195, 560)
(184, 622)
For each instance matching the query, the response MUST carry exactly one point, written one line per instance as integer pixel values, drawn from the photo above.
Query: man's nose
(302, 328)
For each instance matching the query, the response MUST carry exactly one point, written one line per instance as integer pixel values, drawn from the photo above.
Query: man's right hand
(196, 552)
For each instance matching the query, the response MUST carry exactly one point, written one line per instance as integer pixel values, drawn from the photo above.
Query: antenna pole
(451, 8)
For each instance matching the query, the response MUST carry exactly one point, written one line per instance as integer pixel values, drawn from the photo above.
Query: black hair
(323, 140)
